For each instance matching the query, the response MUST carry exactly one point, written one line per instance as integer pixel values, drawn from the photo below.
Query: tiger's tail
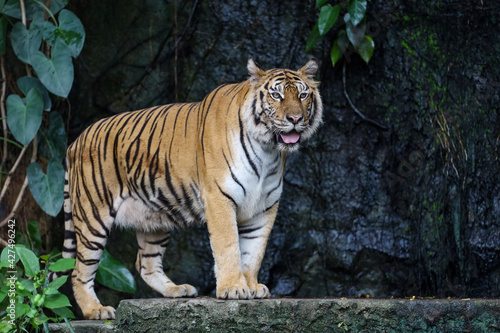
(69, 245)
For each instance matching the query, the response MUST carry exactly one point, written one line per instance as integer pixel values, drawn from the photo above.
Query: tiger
(220, 161)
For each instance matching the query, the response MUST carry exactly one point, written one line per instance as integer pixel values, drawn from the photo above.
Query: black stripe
(68, 234)
(158, 242)
(187, 117)
(227, 195)
(250, 237)
(169, 183)
(172, 135)
(233, 175)
(153, 170)
(151, 255)
(65, 249)
(253, 149)
(87, 262)
(242, 140)
(244, 230)
(68, 216)
(274, 189)
(205, 119)
(268, 208)
(188, 203)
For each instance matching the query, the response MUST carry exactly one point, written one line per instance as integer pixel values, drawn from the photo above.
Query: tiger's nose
(294, 118)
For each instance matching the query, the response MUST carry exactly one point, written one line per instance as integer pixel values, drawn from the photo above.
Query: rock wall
(412, 209)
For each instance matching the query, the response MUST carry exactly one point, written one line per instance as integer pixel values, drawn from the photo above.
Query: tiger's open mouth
(289, 138)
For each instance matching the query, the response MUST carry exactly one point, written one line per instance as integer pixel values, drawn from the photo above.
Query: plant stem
(9, 175)
(2, 107)
(23, 188)
(23, 20)
(354, 107)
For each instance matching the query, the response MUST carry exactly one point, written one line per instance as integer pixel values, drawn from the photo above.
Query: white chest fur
(255, 180)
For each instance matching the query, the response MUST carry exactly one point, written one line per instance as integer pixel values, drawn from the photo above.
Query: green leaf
(47, 189)
(72, 31)
(25, 42)
(29, 260)
(40, 319)
(56, 284)
(57, 5)
(24, 116)
(111, 273)
(354, 33)
(3, 33)
(55, 73)
(327, 18)
(34, 233)
(21, 309)
(28, 284)
(64, 312)
(313, 39)
(25, 83)
(4, 257)
(365, 48)
(357, 10)
(55, 301)
(62, 265)
(12, 8)
(335, 54)
(53, 142)
(320, 3)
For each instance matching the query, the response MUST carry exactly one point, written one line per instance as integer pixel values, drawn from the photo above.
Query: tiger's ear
(310, 68)
(254, 70)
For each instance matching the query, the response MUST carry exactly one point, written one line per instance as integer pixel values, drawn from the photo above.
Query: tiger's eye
(303, 95)
(276, 95)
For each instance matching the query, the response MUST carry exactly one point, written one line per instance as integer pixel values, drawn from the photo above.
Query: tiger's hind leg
(90, 245)
(149, 264)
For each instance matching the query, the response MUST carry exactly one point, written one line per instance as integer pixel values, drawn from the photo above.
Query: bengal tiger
(219, 161)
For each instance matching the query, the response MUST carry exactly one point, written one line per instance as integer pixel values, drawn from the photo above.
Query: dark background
(413, 209)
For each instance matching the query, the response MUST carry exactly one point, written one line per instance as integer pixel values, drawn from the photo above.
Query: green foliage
(24, 115)
(26, 295)
(47, 189)
(114, 275)
(354, 34)
(47, 47)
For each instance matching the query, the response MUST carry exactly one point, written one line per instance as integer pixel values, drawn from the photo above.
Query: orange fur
(218, 161)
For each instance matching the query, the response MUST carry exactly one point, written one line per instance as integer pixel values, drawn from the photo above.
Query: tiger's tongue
(291, 137)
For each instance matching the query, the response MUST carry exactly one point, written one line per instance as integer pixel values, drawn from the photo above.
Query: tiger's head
(285, 106)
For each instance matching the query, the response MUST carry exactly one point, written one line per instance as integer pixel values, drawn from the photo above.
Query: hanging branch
(354, 107)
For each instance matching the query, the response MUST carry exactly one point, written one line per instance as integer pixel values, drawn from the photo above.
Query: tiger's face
(287, 106)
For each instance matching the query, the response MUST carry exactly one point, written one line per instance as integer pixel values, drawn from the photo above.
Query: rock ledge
(298, 315)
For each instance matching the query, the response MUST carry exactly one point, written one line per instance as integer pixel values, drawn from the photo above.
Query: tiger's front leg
(253, 237)
(220, 213)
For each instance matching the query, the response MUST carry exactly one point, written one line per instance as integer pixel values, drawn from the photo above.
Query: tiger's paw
(100, 313)
(235, 291)
(259, 291)
(182, 290)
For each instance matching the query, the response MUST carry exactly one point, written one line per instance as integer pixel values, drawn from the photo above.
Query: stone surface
(302, 315)
(84, 326)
